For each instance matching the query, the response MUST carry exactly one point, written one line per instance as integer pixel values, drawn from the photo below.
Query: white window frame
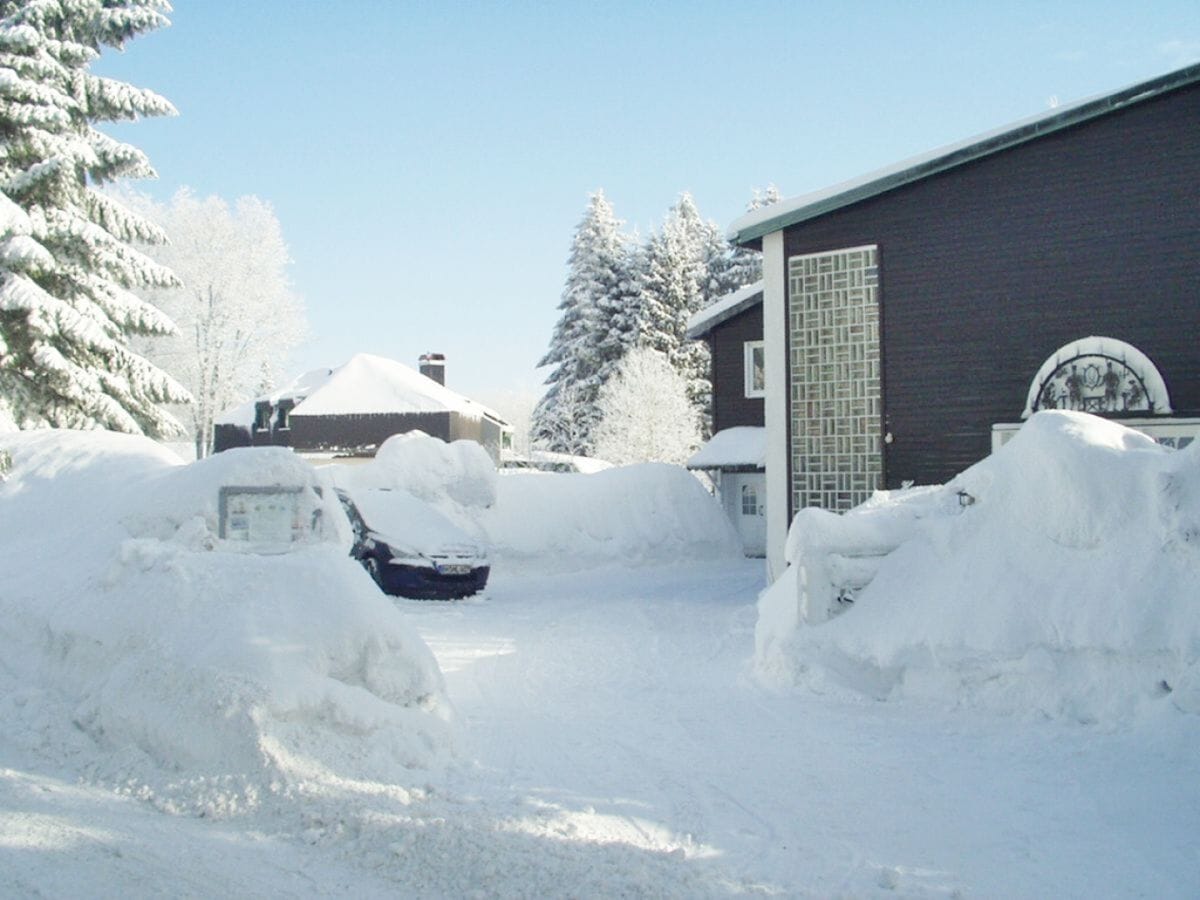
(748, 350)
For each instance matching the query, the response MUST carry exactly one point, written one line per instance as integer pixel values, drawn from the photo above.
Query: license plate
(455, 569)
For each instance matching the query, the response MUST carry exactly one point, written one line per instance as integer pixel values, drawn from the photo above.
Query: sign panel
(263, 515)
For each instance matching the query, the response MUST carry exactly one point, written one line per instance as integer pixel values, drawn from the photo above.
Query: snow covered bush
(208, 677)
(1058, 577)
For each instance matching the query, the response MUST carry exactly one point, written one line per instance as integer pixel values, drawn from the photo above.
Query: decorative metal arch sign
(1098, 375)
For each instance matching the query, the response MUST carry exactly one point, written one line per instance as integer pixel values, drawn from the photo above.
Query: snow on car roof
(404, 520)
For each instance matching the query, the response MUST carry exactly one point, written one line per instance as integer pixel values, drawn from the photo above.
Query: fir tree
(674, 285)
(744, 266)
(67, 268)
(593, 331)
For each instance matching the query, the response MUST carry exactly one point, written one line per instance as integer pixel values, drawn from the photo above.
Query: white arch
(1110, 349)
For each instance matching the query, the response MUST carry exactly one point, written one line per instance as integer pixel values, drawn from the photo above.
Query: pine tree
(593, 331)
(67, 268)
(744, 265)
(674, 285)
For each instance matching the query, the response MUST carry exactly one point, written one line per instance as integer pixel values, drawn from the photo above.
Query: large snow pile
(205, 677)
(631, 515)
(1060, 576)
(637, 514)
(427, 467)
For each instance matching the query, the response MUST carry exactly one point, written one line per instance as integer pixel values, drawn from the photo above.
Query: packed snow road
(612, 744)
(613, 727)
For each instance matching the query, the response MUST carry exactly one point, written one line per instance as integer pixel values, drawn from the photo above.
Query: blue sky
(429, 161)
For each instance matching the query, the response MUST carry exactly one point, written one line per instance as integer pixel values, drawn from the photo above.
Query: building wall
(987, 269)
(349, 432)
(731, 406)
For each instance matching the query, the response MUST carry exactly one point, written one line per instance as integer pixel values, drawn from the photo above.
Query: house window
(749, 500)
(283, 415)
(262, 417)
(755, 369)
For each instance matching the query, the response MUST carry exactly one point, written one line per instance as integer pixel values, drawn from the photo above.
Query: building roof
(743, 446)
(725, 308)
(751, 227)
(365, 385)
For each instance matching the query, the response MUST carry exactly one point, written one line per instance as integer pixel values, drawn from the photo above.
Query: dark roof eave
(752, 235)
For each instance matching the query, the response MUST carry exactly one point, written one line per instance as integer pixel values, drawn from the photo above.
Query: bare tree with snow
(238, 318)
(645, 413)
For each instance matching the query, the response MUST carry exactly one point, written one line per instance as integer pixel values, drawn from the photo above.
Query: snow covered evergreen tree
(67, 268)
(744, 266)
(595, 328)
(674, 285)
(645, 413)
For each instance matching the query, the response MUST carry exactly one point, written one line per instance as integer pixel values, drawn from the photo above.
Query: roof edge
(752, 227)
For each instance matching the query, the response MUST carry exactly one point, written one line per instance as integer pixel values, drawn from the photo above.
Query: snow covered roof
(752, 226)
(744, 445)
(366, 385)
(723, 309)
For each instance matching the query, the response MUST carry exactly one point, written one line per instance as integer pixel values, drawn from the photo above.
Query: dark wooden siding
(986, 270)
(731, 406)
(351, 432)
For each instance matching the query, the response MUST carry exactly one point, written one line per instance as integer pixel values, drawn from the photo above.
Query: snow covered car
(412, 550)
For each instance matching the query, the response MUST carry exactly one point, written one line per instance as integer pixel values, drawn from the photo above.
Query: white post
(775, 402)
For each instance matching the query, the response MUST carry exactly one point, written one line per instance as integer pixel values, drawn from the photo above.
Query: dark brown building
(914, 317)
(733, 329)
(351, 410)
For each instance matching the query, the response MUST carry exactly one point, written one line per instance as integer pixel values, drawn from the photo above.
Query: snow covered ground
(610, 737)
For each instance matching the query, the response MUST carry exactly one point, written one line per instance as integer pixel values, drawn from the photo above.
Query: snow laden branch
(645, 414)
(238, 317)
(68, 275)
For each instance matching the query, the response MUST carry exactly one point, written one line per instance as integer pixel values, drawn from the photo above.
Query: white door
(744, 495)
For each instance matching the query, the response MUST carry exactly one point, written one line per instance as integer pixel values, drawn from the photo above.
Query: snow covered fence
(206, 677)
(1065, 582)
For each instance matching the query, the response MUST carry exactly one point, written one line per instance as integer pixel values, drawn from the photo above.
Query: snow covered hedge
(207, 677)
(1060, 577)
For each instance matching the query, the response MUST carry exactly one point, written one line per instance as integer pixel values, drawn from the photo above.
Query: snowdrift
(436, 471)
(206, 676)
(631, 515)
(1058, 577)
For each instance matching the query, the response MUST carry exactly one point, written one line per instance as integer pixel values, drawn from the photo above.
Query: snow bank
(427, 467)
(1060, 576)
(631, 515)
(206, 677)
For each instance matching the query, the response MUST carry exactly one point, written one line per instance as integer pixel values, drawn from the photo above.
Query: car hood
(400, 520)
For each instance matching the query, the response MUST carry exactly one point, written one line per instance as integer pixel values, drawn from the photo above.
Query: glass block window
(755, 368)
(835, 399)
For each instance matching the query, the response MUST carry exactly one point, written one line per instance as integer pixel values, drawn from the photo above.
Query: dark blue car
(412, 550)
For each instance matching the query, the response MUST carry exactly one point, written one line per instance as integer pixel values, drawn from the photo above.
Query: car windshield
(399, 517)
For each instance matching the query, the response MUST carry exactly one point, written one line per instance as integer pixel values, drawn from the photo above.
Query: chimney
(433, 365)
